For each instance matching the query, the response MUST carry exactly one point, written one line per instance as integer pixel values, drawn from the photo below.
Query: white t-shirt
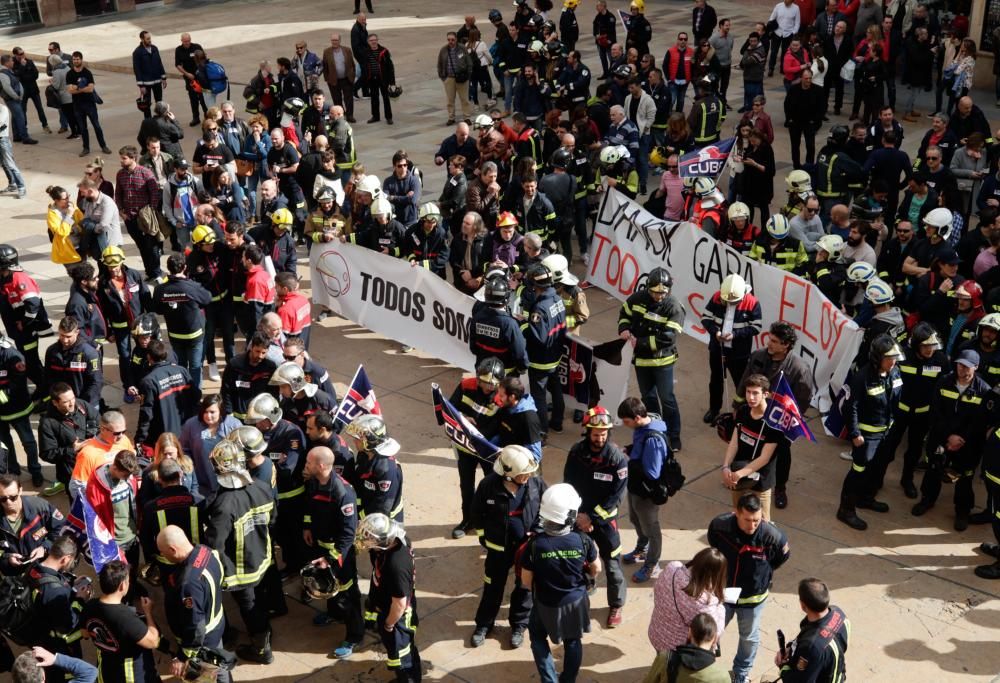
(788, 18)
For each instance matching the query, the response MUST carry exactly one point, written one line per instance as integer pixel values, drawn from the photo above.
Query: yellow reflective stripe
(14, 416)
(753, 599)
(307, 519)
(291, 494)
(974, 400)
(32, 345)
(241, 578)
(872, 428)
(604, 514)
(487, 579)
(195, 525)
(544, 366)
(217, 611)
(655, 362)
(120, 325)
(493, 546)
(480, 532)
(995, 480)
(331, 548)
(371, 616)
(857, 468)
(616, 552)
(396, 510)
(876, 391)
(190, 335)
(949, 394)
(129, 670)
(907, 369)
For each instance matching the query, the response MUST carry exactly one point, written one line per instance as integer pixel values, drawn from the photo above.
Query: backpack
(218, 81)
(671, 476)
(17, 607)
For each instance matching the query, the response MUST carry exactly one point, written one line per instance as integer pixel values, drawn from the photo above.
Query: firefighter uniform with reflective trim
(920, 375)
(711, 220)
(494, 332)
(575, 302)
(707, 114)
(378, 481)
(79, 366)
(600, 480)
(298, 408)
(503, 518)
(15, 399)
(750, 558)
(838, 177)
(23, 313)
(819, 651)
(625, 176)
(207, 268)
(121, 308)
(331, 516)
(168, 400)
(181, 301)
(177, 506)
(481, 408)
(40, 523)
(232, 265)
(787, 254)
(281, 247)
(868, 409)
(241, 382)
(391, 569)
(655, 325)
(959, 412)
(84, 307)
(428, 249)
(295, 311)
(545, 334)
(286, 451)
(831, 278)
(991, 477)
(193, 603)
(57, 622)
(528, 144)
(321, 222)
(989, 359)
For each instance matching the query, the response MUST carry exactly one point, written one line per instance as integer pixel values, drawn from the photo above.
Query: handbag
(245, 167)
(847, 71)
(52, 100)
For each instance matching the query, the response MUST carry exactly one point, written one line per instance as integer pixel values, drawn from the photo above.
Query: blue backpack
(218, 81)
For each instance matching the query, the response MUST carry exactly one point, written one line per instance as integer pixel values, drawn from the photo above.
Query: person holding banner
(732, 319)
(748, 462)
(651, 320)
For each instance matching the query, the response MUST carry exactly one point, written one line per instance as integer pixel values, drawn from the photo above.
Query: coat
(330, 66)
(463, 63)
(61, 232)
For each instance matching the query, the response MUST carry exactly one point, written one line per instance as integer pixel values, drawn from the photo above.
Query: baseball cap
(968, 358)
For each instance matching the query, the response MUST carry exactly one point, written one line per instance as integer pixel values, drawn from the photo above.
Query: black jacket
(241, 382)
(751, 559)
(961, 414)
(78, 366)
(656, 327)
(84, 307)
(600, 479)
(378, 481)
(41, 523)
(241, 519)
(57, 433)
(804, 108)
(174, 505)
(121, 310)
(332, 516)
(746, 323)
(181, 301)
(491, 511)
(168, 400)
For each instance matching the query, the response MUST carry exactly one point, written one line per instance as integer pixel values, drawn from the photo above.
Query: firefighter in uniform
(238, 523)
(574, 299)
(598, 470)
(321, 430)
(652, 320)
(182, 301)
(818, 652)
(505, 510)
(168, 398)
(325, 222)
(175, 506)
(799, 187)
(58, 599)
(83, 305)
(708, 211)
(22, 310)
(75, 362)
(925, 362)
(330, 523)
(426, 243)
(775, 247)
(985, 344)
(236, 242)
(580, 168)
(964, 320)
(286, 450)
(378, 478)
(193, 602)
(476, 398)
(955, 439)
(247, 376)
(733, 320)
(294, 309)
(887, 319)
(123, 297)
(991, 476)
(16, 407)
(493, 331)
(205, 265)
(28, 527)
(707, 114)
(145, 331)
(740, 232)
(544, 333)
(827, 272)
(299, 398)
(385, 234)
(618, 169)
(868, 410)
(392, 600)
(839, 176)
(276, 240)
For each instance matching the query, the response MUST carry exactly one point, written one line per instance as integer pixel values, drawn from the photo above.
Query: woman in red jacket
(796, 61)
(871, 56)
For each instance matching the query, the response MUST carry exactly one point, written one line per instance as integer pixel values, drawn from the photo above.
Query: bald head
(319, 464)
(336, 111)
(173, 544)
(320, 143)
(965, 105)
(839, 213)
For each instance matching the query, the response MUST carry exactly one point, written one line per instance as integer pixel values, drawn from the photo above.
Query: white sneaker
(213, 372)
(846, 455)
(586, 258)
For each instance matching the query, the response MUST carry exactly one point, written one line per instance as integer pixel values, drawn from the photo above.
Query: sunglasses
(400, 165)
(9, 499)
(292, 357)
(933, 158)
(807, 209)
(111, 431)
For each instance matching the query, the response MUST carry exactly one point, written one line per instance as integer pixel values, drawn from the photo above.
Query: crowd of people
(201, 492)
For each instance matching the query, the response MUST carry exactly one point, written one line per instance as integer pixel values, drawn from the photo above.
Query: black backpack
(671, 475)
(17, 607)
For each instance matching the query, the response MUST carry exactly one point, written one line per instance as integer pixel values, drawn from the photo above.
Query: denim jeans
(84, 111)
(22, 426)
(189, 355)
(37, 99)
(508, 92)
(656, 387)
(748, 621)
(677, 93)
(8, 163)
(645, 145)
(18, 124)
(572, 655)
(750, 90)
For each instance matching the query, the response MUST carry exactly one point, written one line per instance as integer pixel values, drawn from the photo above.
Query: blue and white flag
(783, 413)
(95, 541)
(708, 161)
(462, 432)
(359, 400)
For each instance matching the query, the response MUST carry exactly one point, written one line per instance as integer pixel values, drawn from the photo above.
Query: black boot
(989, 571)
(846, 513)
(260, 651)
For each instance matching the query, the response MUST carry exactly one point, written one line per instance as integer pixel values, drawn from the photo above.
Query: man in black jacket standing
(184, 63)
(62, 431)
(27, 73)
(804, 108)
(359, 46)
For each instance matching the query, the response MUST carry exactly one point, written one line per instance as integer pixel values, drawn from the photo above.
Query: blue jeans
(748, 621)
(656, 387)
(189, 355)
(750, 91)
(8, 163)
(508, 91)
(84, 111)
(677, 93)
(22, 426)
(572, 655)
(645, 145)
(18, 124)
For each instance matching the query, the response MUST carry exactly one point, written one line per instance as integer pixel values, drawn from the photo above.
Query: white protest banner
(629, 241)
(415, 307)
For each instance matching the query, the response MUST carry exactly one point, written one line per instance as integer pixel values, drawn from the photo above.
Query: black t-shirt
(184, 57)
(923, 251)
(392, 577)
(221, 155)
(80, 79)
(753, 435)
(283, 158)
(116, 631)
(557, 563)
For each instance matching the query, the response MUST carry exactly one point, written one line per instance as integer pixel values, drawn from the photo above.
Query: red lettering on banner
(601, 241)
(833, 319)
(798, 320)
(805, 314)
(694, 301)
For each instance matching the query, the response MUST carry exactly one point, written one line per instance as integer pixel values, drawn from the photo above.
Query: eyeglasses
(9, 499)
(403, 165)
(292, 357)
(807, 209)
(933, 158)
(111, 431)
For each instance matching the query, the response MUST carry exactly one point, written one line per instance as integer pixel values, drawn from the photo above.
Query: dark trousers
(377, 88)
(750, 90)
(346, 605)
(154, 93)
(609, 546)
(67, 112)
(795, 134)
(21, 425)
(342, 92)
(39, 107)
(778, 45)
(545, 382)
(480, 79)
(357, 6)
(498, 566)
(85, 111)
(605, 54)
(289, 532)
(150, 248)
(857, 486)
(252, 610)
(196, 100)
(123, 342)
(27, 344)
(219, 317)
(719, 365)
(724, 74)
(993, 506)
(917, 425)
(836, 83)
(401, 648)
(782, 463)
(467, 466)
(964, 461)
(269, 592)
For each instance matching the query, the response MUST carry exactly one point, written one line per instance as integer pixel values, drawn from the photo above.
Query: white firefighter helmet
(430, 211)
(991, 320)
(708, 192)
(291, 374)
(832, 245)
(370, 185)
(777, 226)
(381, 206)
(612, 154)
(560, 503)
(798, 182)
(559, 267)
(371, 432)
(942, 219)
(262, 407)
(230, 465)
(739, 210)
(513, 461)
(249, 438)
(377, 532)
(860, 271)
(879, 292)
(482, 122)
(734, 288)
